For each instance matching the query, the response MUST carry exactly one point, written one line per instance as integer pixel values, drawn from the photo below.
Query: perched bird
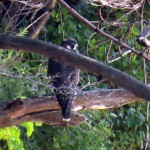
(65, 79)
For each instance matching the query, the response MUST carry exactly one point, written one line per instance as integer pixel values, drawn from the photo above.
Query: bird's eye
(73, 43)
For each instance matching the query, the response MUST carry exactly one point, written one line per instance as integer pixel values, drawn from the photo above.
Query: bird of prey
(65, 79)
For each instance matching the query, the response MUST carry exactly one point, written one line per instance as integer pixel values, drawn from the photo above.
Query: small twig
(108, 51)
(30, 4)
(92, 84)
(26, 78)
(62, 23)
(35, 21)
(128, 5)
(124, 54)
(100, 14)
(96, 46)
(87, 47)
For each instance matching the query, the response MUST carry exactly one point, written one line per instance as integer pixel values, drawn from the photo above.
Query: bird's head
(70, 44)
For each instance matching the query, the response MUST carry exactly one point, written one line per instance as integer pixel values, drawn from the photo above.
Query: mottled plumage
(65, 79)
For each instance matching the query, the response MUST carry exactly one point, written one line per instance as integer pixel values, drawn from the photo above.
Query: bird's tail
(66, 109)
(65, 102)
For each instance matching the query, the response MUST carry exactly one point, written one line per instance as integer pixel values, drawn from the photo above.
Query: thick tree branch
(62, 55)
(46, 109)
(98, 31)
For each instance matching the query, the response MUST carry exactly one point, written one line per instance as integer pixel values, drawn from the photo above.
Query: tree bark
(45, 109)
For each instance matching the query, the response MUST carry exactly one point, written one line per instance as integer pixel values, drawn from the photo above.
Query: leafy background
(24, 75)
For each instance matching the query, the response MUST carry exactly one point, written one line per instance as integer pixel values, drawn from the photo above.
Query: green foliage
(23, 32)
(12, 136)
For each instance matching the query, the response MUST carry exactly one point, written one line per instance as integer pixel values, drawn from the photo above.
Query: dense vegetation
(25, 75)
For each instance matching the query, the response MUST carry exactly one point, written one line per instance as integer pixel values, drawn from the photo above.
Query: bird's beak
(75, 47)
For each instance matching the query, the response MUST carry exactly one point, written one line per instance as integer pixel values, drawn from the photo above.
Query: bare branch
(62, 55)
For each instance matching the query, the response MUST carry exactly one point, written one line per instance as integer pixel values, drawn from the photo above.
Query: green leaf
(135, 71)
(59, 29)
(135, 31)
(38, 124)
(29, 127)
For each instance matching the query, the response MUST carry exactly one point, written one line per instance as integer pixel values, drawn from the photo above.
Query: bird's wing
(53, 68)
